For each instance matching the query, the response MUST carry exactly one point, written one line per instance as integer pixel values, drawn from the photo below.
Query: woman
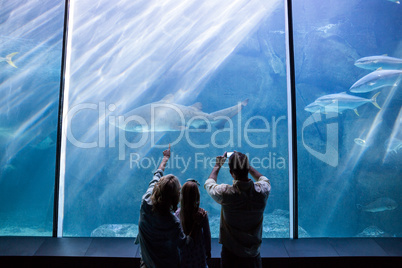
(194, 222)
(159, 232)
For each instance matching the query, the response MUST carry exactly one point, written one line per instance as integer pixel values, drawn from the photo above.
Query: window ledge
(274, 252)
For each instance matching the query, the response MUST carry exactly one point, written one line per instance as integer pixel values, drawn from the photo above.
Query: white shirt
(243, 205)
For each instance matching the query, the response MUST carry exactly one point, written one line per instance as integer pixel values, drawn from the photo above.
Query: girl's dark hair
(189, 205)
(166, 194)
(238, 165)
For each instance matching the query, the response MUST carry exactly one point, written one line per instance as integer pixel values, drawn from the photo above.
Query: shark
(380, 204)
(376, 80)
(375, 62)
(165, 115)
(8, 59)
(339, 103)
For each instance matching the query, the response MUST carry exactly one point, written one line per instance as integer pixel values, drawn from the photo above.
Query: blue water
(127, 54)
(29, 97)
(329, 38)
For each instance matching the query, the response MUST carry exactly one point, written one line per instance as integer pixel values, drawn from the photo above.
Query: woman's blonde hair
(166, 194)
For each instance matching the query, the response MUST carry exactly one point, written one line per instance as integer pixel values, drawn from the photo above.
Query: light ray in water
(374, 128)
(151, 43)
(394, 143)
(27, 132)
(32, 120)
(354, 157)
(156, 40)
(29, 93)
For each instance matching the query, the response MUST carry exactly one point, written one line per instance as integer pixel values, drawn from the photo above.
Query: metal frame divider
(292, 129)
(60, 160)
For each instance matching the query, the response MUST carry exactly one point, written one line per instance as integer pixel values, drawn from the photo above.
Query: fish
(375, 62)
(165, 115)
(393, 145)
(45, 144)
(8, 59)
(395, 1)
(380, 204)
(360, 142)
(376, 80)
(339, 103)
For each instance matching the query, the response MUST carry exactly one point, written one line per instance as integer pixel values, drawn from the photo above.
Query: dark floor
(122, 252)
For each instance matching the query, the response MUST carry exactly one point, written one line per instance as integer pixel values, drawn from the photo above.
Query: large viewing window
(349, 117)
(205, 77)
(31, 34)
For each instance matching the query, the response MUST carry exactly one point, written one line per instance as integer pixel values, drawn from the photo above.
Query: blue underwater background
(126, 54)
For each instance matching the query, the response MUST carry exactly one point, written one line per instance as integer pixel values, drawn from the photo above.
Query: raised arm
(166, 156)
(253, 172)
(220, 160)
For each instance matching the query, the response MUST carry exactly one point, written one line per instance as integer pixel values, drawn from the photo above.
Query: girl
(194, 222)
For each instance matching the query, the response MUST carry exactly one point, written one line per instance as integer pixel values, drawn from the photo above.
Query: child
(194, 222)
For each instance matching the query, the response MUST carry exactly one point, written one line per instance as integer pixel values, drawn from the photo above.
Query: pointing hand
(166, 153)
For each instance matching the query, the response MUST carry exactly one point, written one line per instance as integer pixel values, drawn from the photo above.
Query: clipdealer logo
(331, 155)
(114, 125)
(200, 160)
(108, 127)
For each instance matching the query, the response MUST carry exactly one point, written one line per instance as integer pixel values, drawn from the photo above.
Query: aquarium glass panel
(31, 34)
(203, 76)
(348, 60)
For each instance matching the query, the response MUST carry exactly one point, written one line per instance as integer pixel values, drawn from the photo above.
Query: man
(242, 208)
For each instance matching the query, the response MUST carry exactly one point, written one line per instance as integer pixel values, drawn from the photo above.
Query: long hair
(166, 194)
(189, 205)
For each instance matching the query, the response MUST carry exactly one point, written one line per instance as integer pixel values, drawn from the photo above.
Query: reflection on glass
(30, 60)
(205, 76)
(349, 117)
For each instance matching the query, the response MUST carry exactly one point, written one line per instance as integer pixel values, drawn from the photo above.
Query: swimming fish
(339, 103)
(380, 204)
(165, 115)
(393, 145)
(8, 59)
(45, 144)
(376, 62)
(376, 80)
(395, 1)
(360, 142)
